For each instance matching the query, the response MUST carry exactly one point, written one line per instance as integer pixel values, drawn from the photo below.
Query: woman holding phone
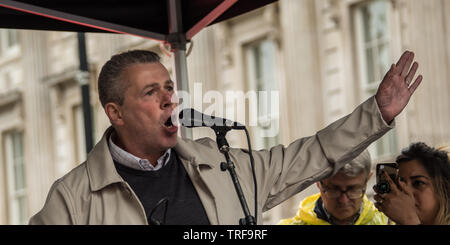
(421, 193)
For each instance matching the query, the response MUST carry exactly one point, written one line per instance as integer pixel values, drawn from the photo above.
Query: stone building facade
(323, 57)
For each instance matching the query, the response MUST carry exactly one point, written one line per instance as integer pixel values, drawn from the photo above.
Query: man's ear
(114, 113)
(370, 175)
(319, 185)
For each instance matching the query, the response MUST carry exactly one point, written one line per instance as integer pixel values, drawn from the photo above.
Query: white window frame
(385, 147)
(8, 52)
(370, 85)
(13, 194)
(273, 118)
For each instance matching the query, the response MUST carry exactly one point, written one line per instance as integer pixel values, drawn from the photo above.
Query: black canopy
(144, 18)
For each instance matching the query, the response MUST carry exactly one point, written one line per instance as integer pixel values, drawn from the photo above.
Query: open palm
(396, 89)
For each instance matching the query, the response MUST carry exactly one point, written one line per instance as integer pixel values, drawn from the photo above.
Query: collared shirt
(127, 159)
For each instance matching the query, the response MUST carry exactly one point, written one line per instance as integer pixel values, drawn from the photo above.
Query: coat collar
(102, 172)
(100, 165)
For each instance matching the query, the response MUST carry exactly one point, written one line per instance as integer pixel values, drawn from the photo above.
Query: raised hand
(396, 89)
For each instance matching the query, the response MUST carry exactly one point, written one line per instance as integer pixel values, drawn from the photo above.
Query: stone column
(38, 129)
(201, 64)
(428, 110)
(301, 59)
(301, 66)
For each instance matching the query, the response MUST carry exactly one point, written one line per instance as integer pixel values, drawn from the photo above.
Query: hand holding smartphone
(382, 184)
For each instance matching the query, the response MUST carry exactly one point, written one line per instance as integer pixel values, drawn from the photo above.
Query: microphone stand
(224, 148)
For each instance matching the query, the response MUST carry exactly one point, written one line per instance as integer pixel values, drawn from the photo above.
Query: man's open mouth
(168, 123)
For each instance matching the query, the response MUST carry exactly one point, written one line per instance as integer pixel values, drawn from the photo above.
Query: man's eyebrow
(155, 84)
(346, 187)
(151, 85)
(356, 186)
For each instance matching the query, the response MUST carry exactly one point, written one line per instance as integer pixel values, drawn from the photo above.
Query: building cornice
(11, 97)
(66, 76)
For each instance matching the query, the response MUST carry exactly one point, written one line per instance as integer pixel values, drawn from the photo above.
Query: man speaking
(142, 173)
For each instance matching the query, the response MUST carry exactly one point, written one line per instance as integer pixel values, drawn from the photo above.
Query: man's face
(146, 109)
(340, 205)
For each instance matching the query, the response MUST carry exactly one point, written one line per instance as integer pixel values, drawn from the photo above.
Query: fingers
(379, 206)
(402, 61)
(407, 65)
(375, 189)
(393, 68)
(391, 182)
(402, 67)
(379, 197)
(416, 84)
(404, 188)
(378, 201)
(411, 73)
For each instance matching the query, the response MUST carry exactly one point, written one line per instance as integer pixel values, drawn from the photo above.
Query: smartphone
(392, 170)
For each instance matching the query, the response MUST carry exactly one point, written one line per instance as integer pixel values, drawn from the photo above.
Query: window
(260, 64)
(11, 38)
(9, 41)
(374, 59)
(16, 181)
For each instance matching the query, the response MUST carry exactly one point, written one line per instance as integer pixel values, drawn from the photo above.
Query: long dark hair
(437, 165)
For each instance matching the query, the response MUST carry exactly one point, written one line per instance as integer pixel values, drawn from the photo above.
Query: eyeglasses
(352, 193)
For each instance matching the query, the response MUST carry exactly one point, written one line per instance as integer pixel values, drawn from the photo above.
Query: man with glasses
(342, 199)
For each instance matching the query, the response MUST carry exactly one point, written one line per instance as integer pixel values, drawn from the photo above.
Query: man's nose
(167, 101)
(343, 198)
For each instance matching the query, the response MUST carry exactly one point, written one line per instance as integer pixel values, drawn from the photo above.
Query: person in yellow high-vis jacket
(342, 199)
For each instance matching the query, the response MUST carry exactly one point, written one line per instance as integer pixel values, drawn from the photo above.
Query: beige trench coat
(94, 193)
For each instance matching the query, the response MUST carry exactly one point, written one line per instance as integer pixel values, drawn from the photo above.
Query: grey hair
(111, 86)
(360, 164)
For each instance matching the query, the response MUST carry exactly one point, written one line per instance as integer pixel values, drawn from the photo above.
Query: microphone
(191, 118)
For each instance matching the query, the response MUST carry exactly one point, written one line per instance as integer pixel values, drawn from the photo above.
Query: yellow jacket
(306, 215)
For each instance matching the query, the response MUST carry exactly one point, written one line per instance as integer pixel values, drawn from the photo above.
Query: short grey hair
(111, 86)
(360, 164)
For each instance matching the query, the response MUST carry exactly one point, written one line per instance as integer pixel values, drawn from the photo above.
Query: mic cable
(252, 163)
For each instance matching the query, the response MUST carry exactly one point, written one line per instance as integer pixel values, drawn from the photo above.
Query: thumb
(393, 69)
